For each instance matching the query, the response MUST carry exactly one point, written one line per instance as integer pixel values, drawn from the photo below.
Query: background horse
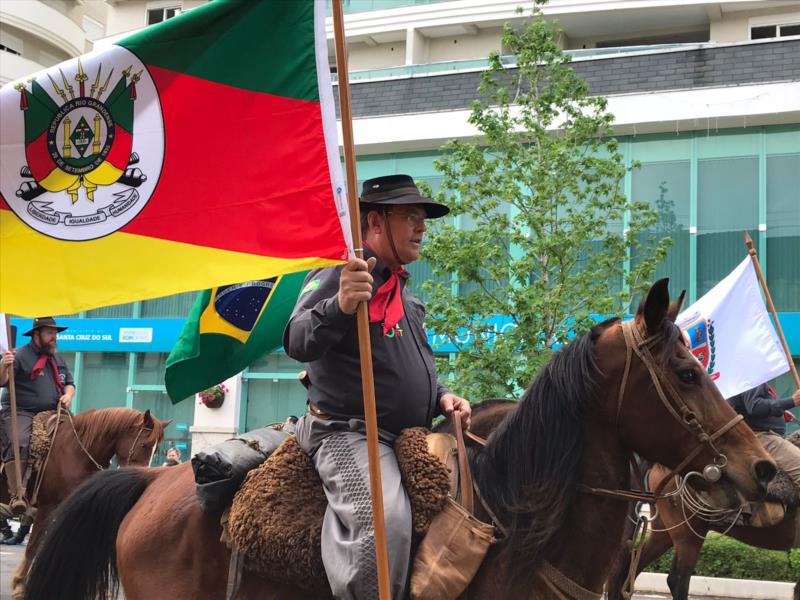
(76, 453)
(599, 399)
(671, 530)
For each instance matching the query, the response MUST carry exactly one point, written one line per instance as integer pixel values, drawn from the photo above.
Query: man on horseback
(42, 381)
(322, 333)
(763, 412)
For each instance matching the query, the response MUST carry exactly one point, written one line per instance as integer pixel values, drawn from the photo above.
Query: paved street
(11, 555)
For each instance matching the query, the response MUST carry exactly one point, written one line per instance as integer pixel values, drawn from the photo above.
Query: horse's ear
(675, 307)
(147, 418)
(165, 423)
(655, 306)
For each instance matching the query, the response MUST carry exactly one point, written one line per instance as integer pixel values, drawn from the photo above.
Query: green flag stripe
(255, 45)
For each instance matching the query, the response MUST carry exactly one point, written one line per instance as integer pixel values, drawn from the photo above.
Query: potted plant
(214, 396)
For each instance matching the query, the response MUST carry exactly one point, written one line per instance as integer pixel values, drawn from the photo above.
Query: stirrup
(18, 505)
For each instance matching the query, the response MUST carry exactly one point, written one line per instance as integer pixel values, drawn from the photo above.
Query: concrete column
(416, 47)
(214, 425)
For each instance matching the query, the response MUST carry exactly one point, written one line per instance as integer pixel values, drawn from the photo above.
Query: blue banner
(111, 335)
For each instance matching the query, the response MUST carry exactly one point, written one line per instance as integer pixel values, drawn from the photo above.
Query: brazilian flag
(229, 328)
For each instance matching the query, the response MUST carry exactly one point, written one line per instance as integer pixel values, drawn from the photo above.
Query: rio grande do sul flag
(198, 152)
(730, 333)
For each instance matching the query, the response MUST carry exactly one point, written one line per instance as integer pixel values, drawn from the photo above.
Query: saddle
(782, 496)
(275, 520)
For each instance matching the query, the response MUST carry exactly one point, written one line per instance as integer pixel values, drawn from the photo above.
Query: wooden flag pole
(12, 393)
(754, 256)
(362, 316)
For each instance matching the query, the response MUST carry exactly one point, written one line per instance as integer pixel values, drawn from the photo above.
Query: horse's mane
(98, 425)
(529, 470)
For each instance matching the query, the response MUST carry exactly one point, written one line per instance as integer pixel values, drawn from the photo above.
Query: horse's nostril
(764, 471)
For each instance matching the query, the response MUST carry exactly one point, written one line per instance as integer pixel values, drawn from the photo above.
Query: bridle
(142, 429)
(98, 466)
(636, 343)
(131, 450)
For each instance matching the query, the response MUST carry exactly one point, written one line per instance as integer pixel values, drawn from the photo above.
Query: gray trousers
(785, 453)
(24, 426)
(339, 452)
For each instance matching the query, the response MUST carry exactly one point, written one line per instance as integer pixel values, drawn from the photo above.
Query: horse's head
(140, 440)
(666, 407)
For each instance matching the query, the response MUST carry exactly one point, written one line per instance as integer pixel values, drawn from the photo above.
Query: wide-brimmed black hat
(40, 322)
(398, 189)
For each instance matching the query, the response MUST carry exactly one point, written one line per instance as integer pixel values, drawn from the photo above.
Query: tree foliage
(546, 230)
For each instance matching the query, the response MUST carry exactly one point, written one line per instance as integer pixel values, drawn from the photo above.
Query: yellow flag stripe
(39, 274)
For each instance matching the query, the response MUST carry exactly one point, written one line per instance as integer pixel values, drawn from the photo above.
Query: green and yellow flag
(228, 329)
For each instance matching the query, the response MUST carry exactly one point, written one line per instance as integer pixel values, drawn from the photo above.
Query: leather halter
(636, 343)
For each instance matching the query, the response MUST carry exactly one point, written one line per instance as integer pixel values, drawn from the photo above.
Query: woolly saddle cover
(276, 517)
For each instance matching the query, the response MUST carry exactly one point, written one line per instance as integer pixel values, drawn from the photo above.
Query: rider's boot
(5, 531)
(767, 514)
(18, 504)
(18, 537)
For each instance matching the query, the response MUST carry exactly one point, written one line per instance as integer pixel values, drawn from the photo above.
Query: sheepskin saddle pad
(275, 519)
(42, 430)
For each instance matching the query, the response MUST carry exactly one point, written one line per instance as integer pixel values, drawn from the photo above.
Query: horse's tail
(77, 556)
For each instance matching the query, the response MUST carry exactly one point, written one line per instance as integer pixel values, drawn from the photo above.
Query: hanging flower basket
(214, 396)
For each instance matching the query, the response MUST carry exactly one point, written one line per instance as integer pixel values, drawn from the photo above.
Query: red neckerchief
(39, 367)
(386, 305)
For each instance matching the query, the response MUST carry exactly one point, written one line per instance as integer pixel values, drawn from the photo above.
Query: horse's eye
(688, 376)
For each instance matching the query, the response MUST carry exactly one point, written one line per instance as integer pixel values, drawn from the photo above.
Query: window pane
(174, 306)
(665, 186)
(155, 16)
(760, 33)
(787, 30)
(270, 401)
(118, 311)
(105, 379)
(727, 198)
(276, 362)
(150, 368)
(783, 231)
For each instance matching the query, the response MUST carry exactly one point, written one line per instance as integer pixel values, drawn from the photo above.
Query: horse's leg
(687, 550)
(37, 530)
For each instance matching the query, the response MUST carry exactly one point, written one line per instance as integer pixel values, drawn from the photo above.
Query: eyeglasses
(413, 219)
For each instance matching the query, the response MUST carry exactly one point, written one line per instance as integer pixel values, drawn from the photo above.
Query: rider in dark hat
(322, 333)
(42, 380)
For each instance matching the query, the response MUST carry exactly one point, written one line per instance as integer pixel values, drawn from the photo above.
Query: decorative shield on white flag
(729, 331)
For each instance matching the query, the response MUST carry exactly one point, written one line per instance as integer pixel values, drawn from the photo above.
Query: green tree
(539, 192)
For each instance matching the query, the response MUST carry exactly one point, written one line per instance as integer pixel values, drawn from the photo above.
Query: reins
(40, 472)
(636, 343)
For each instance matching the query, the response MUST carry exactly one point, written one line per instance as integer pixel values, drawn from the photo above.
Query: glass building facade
(708, 186)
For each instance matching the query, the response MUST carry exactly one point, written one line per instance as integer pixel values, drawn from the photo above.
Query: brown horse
(76, 453)
(671, 530)
(600, 398)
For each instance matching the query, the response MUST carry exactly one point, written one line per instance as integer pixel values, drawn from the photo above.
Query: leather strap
(465, 474)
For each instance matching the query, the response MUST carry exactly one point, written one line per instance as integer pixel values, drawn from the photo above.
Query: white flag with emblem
(729, 331)
(4, 345)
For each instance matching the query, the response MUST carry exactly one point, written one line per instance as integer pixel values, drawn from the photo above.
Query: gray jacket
(762, 410)
(319, 334)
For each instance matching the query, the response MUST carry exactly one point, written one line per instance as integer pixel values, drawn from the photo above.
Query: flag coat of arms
(729, 331)
(198, 152)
